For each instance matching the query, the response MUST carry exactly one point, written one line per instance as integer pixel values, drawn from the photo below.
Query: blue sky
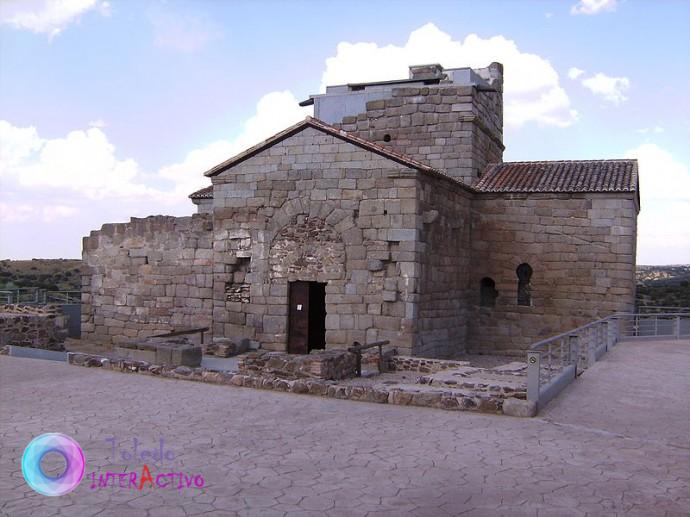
(114, 109)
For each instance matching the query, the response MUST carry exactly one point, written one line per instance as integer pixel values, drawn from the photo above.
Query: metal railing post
(533, 370)
(607, 335)
(656, 325)
(616, 330)
(677, 327)
(574, 345)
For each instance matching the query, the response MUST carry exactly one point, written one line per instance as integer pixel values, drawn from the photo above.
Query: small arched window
(487, 292)
(524, 290)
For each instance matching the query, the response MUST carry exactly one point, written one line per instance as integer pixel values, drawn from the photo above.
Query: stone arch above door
(307, 248)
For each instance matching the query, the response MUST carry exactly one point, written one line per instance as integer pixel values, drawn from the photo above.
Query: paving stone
(584, 455)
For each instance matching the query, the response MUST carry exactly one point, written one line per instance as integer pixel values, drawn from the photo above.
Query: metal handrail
(643, 308)
(37, 296)
(587, 344)
(608, 318)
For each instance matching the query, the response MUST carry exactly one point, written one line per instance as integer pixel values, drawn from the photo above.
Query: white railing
(647, 309)
(36, 296)
(554, 363)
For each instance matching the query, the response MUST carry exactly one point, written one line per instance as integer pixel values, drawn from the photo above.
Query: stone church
(389, 215)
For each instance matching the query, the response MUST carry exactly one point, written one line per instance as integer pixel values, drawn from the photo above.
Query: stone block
(275, 324)
(520, 408)
(186, 355)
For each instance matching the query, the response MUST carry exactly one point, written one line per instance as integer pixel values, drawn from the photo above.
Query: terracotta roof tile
(560, 176)
(204, 193)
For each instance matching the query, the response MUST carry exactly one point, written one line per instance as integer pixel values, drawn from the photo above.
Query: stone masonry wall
(458, 129)
(315, 208)
(442, 310)
(581, 248)
(37, 327)
(147, 276)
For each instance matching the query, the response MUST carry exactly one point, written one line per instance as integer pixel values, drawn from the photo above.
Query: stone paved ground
(615, 443)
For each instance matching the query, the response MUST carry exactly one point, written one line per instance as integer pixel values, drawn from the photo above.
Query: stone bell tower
(451, 119)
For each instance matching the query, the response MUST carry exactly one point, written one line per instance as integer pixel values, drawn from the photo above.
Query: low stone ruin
(224, 347)
(423, 364)
(328, 365)
(33, 326)
(162, 351)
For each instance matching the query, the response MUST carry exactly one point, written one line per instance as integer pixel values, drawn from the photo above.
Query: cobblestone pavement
(615, 443)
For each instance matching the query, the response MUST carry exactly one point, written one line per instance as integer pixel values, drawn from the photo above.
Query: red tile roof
(326, 128)
(560, 176)
(204, 193)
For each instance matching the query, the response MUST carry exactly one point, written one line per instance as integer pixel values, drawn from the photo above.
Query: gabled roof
(204, 193)
(328, 129)
(560, 176)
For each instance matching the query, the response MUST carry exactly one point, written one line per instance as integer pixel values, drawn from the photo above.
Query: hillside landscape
(663, 286)
(48, 274)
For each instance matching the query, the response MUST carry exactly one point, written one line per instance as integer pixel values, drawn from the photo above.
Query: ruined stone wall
(442, 311)
(458, 129)
(581, 248)
(147, 276)
(33, 326)
(315, 208)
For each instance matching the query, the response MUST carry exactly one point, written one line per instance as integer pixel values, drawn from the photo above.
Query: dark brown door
(307, 317)
(298, 325)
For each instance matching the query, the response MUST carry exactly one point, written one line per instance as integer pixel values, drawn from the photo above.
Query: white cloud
(83, 161)
(532, 92)
(12, 212)
(47, 16)
(274, 112)
(646, 130)
(53, 213)
(81, 177)
(16, 144)
(182, 32)
(662, 177)
(86, 162)
(593, 6)
(99, 123)
(611, 89)
(575, 72)
(15, 212)
(664, 221)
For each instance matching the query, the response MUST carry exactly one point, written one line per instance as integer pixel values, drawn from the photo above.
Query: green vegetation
(49, 274)
(663, 286)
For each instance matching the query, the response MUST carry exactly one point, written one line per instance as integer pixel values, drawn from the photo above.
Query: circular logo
(66, 447)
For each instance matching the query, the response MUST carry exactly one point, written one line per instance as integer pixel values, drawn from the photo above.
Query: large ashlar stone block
(275, 324)
(161, 351)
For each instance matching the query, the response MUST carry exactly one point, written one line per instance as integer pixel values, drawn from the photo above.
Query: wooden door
(298, 323)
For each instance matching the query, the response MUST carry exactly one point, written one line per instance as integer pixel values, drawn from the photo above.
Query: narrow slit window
(524, 290)
(487, 292)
